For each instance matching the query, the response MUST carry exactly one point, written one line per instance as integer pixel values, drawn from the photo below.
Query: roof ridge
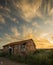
(17, 42)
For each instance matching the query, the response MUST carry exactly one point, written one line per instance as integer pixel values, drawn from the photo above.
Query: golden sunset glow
(27, 19)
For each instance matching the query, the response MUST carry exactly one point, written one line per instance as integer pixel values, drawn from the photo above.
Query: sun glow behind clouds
(47, 36)
(36, 15)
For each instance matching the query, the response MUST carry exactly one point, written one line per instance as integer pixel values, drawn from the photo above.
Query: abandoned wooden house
(21, 47)
(1, 50)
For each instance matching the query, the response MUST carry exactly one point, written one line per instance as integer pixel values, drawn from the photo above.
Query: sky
(26, 19)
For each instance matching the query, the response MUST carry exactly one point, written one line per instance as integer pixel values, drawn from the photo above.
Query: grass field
(39, 57)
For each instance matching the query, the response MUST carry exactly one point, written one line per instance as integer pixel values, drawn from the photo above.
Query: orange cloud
(10, 38)
(49, 21)
(14, 36)
(2, 20)
(15, 31)
(1, 39)
(35, 24)
(7, 9)
(51, 12)
(29, 10)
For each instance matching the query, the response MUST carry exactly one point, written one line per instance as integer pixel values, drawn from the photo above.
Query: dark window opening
(23, 47)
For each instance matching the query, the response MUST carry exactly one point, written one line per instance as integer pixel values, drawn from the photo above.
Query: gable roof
(19, 42)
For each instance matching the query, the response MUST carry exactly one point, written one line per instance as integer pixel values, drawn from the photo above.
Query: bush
(2, 54)
(40, 57)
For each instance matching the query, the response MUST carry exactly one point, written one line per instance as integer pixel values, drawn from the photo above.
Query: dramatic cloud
(29, 10)
(51, 12)
(27, 32)
(24, 19)
(2, 20)
(49, 21)
(1, 27)
(35, 24)
(1, 40)
(10, 38)
(15, 32)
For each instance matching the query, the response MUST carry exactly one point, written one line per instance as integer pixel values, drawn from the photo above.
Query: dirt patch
(5, 61)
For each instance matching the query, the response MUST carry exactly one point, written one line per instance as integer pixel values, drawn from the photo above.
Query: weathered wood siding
(30, 47)
(19, 49)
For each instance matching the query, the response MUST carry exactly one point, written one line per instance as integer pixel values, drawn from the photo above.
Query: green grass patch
(39, 57)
